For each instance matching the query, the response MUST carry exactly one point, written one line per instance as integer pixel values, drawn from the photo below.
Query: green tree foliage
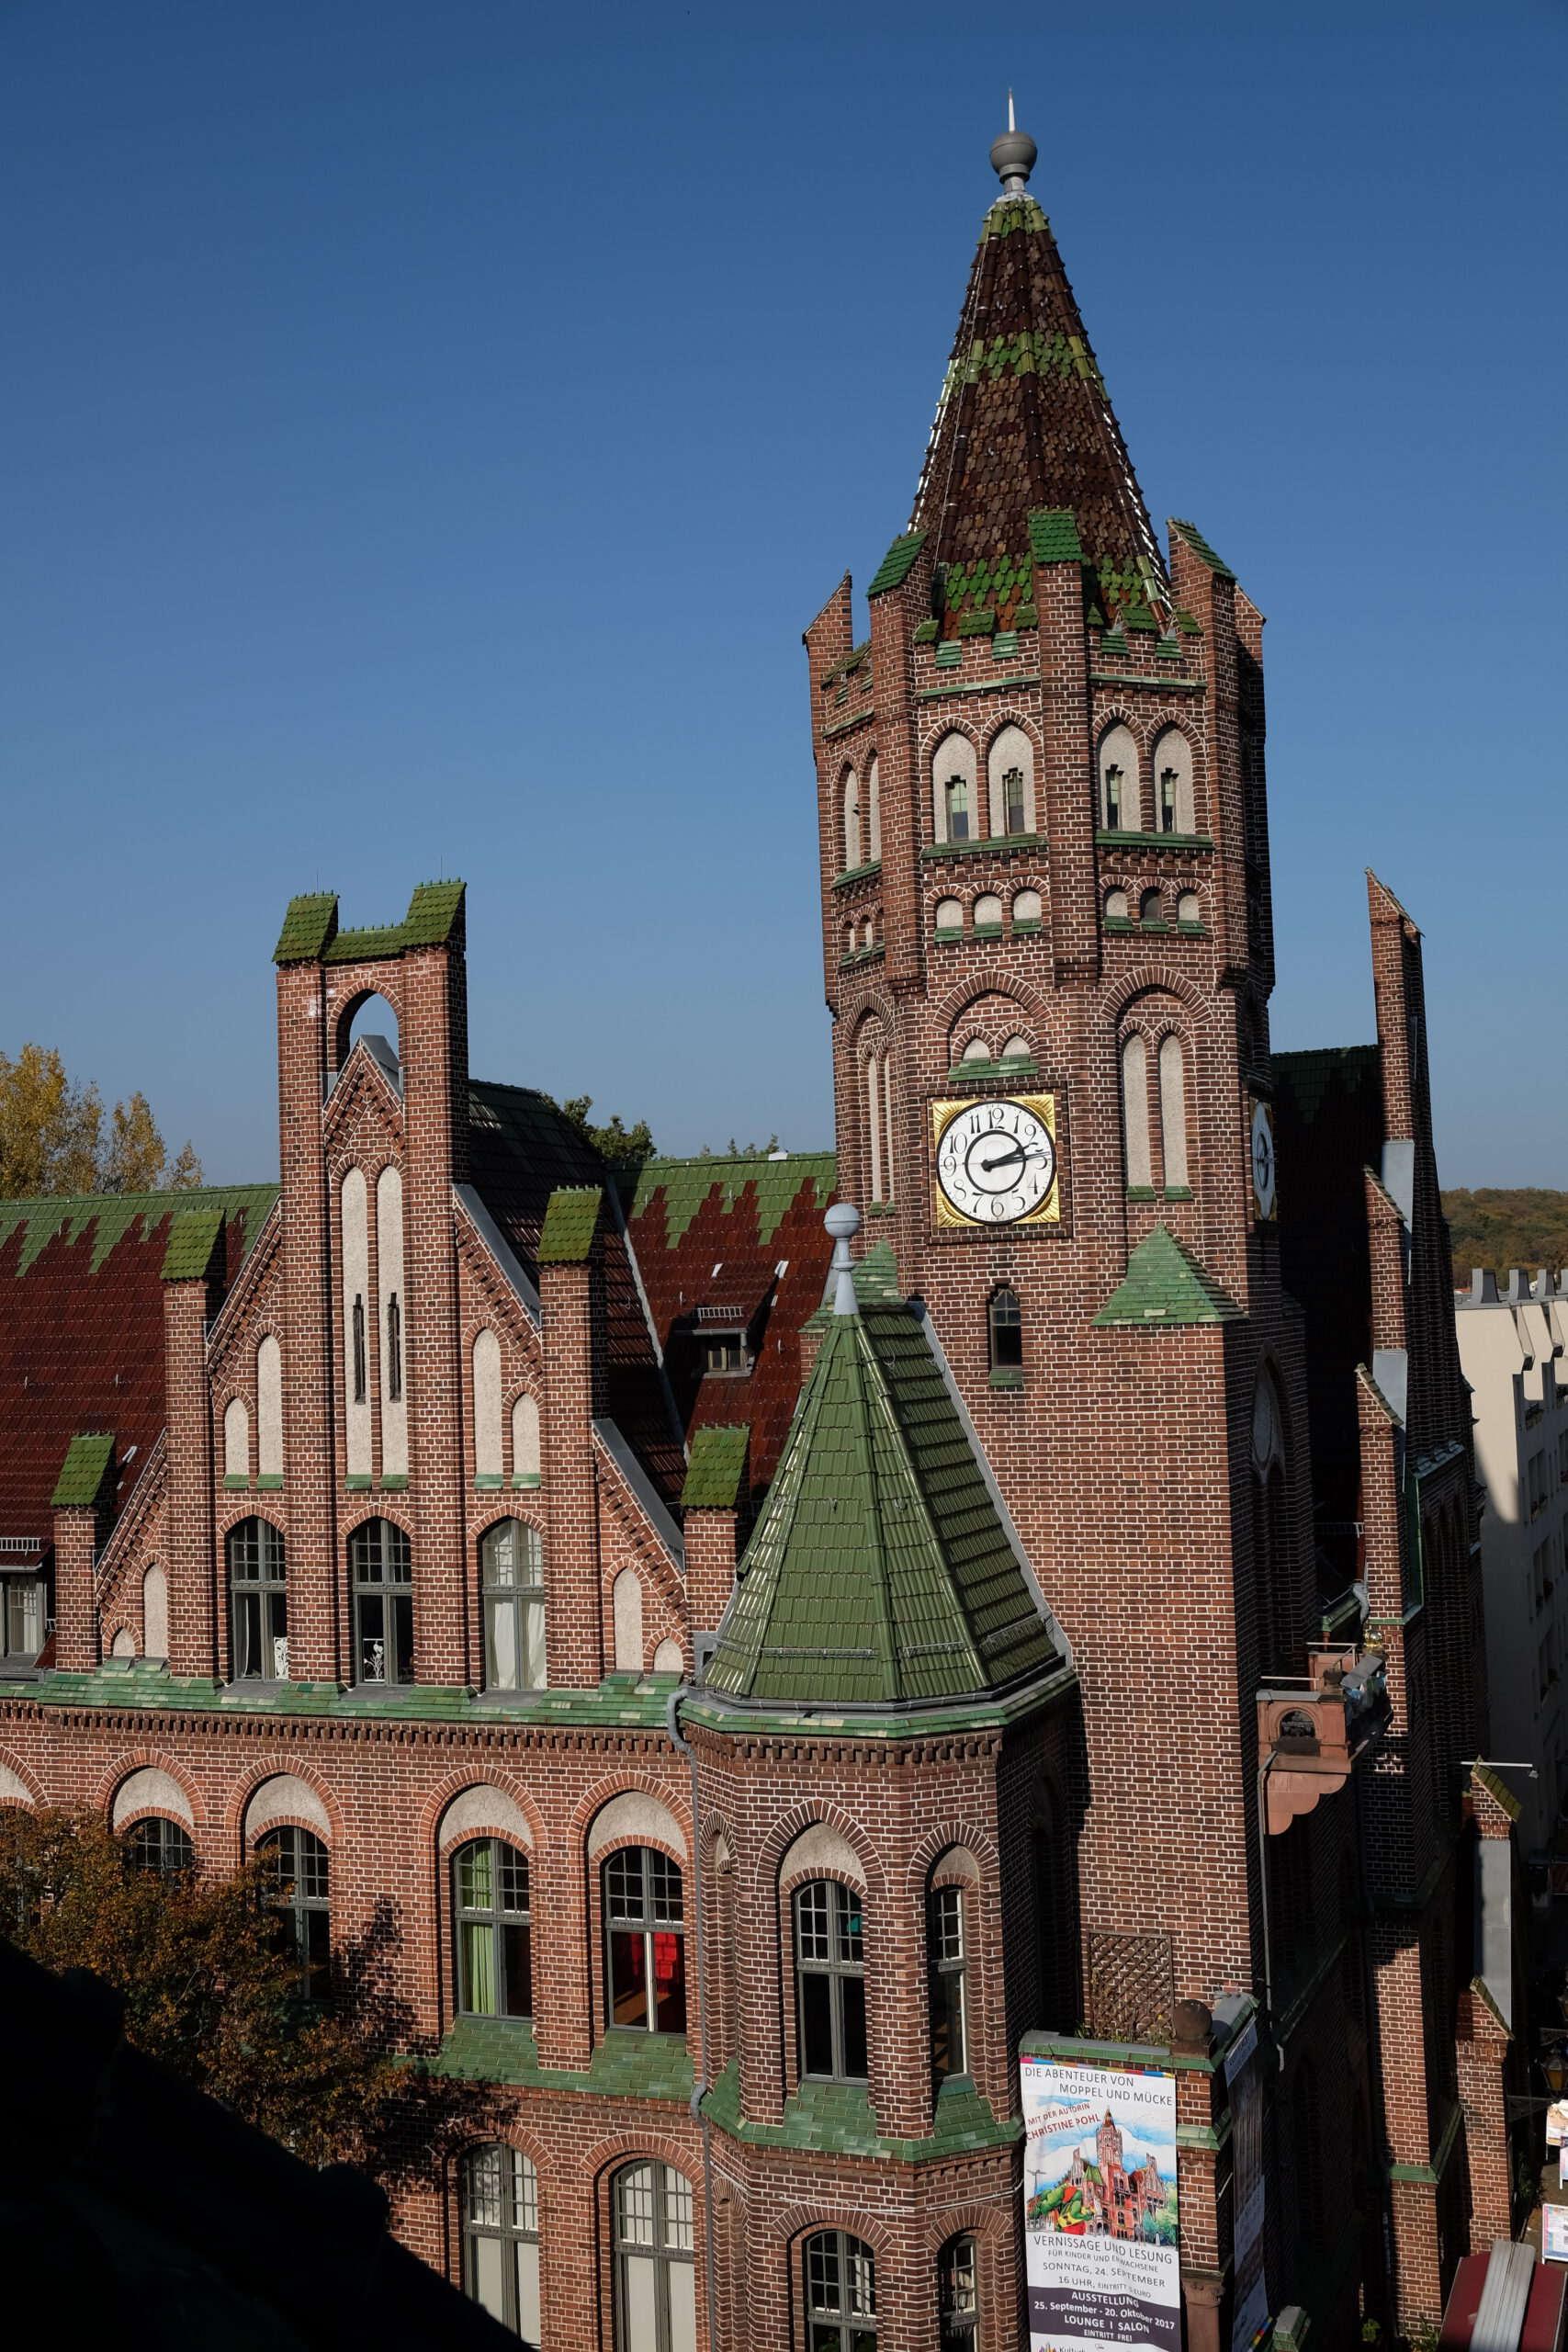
(734, 1150)
(1497, 1230)
(54, 1137)
(614, 1143)
(210, 1990)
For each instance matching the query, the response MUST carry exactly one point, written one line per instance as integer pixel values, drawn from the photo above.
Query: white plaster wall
(236, 1438)
(633, 1813)
(269, 1409)
(390, 1277)
(1012, 749)
(154, 1613)
(354, 1202)
(626, 1597)
(150, 1790)
(487, 1405)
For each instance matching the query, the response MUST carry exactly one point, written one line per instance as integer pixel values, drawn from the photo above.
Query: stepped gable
(879, 1573)
(82, 1329)
(1024, 425)
(713, 1234)
(523, 1147)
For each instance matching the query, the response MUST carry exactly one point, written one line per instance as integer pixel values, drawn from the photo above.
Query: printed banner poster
(1100, 2212)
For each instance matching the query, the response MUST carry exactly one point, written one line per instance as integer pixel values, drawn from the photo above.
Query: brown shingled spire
(1024, 424)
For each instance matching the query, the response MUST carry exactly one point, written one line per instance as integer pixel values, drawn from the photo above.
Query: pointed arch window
(947, 1958)
(1010, 767)
(511, 1571)
(381, 1562)
(1118, 797)
(1135, 1113)
(955, 781)
(956, 802)
(1173, 1112)
(1173, 783)
(874, 813)
(851, 821)
(258, 1594)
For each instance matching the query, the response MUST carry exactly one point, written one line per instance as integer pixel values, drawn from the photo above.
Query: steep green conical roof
(879, 1573)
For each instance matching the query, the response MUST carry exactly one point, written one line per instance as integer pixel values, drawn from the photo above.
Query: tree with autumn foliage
(55, 1137)
(211, 1990)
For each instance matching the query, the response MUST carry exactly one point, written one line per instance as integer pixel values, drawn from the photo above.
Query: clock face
(996, 1162)
(1263, 1159)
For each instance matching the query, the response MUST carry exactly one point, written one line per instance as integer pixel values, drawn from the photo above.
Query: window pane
(524, 2192)
(488, 2259)
(481, 2187)
(816, 2024)
(822, 2272)
(534, 1677)
(860, 2279)
(500, 1645)
(518, 1953)
(374, 1664)
(476, 1943)
(247, 1635)
(670, 1984)
(948, 1923)
(629, 1978)
(852, 1989)
(317, 1955)
(851, 1946)
(401, 1611)
(664, 1887)
(633, 2205)
(811, 1917)
(514, 1892)
(476, 1876)
(639, 2303)
(677, 2211)
(682, 2280)
(528, 2290)
(622, 1883)
(498, 1552)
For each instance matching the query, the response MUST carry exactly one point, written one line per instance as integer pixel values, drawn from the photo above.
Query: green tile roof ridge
(310, 928)
(1164, 1284)
(571, 1220)
(193, 1238)
(879, 1572)
(1054, 536)
(1201, 548)
(686, 1184)
(898, 563)
(109, 1217)
(83, 1471)
(715, 1467)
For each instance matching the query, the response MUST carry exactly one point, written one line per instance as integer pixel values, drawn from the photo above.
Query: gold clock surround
(1044, 1108)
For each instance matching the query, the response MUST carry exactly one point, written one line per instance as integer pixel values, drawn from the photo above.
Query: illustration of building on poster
(1099, 2207)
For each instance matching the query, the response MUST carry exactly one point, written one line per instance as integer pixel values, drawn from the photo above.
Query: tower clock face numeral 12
(996, 1162)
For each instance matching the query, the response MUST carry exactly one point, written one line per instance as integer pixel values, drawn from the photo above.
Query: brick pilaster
(710, 1565)
(76, 1647)
(574, 1628)
(191, 1563)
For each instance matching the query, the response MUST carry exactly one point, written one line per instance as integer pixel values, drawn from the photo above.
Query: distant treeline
(1527, 1229)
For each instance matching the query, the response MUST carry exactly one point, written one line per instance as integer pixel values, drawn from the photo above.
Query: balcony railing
(1311, 1731)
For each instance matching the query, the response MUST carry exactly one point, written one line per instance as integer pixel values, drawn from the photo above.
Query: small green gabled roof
(193, 1236)
(1164, 1284)
(571, 1220)
(898, 563)
(1201, 548)
(715, 1468)
(879, 1573)
(1054, 536)
(310, 931)
(83, 1471)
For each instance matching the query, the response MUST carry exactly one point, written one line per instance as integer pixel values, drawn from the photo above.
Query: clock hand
(1016, 1152)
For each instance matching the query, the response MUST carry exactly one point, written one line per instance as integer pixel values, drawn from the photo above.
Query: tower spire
(1024, 424)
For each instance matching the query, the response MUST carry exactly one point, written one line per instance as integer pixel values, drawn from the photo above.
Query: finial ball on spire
(841, 1221)
(1013, 157)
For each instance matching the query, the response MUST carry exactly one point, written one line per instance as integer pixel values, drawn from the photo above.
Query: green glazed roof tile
(309, 928)
(898, 563)
(1201, 548)
(108, 1217)
(1054, 536)
(1164, 1284)
(82, 1472)
(571, 1220)
(716, 1468)
(193, 1236)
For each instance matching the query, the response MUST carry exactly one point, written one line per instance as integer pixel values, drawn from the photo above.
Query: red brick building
(1103, 1675)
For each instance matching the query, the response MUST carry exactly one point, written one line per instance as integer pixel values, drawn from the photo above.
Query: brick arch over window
(284, 1796)
(345, 1014)
(994, 1020)
(764, 1867)
(482, 1808)
(822, 1852)
(150, 1789)
(636, 1814)
(17, 1786)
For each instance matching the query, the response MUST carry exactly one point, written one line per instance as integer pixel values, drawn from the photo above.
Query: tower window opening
(1168, 780)
(947, 1957)
(957, 794)
(1012, 795)
(1114, 779)
(829, 1953)
(1151, 907)
(1006, 1323)
(960, 2296)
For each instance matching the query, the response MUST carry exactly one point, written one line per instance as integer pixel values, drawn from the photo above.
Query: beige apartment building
(1512, 1343)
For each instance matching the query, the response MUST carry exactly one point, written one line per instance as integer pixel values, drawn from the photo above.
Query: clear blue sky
(427, 425)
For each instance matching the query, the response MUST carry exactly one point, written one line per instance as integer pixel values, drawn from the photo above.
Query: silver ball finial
(841, 1222)
(1013, 155)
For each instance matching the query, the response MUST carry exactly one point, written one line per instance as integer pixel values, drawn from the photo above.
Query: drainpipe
(1263, 1771)
(673, 1724)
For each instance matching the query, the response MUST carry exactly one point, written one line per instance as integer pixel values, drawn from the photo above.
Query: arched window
(840, 2293)
(976, 1050)
(645, 1941)
(380, 1568)
(830, 1960)
(490, 1905)
(878, 1122)
(1135, 1113)
(486, 1407)
(1173, 1111)
(159, 1846)
(511, 1571)
(1116, 906)
(1027, 911)
(500, 2237)
(988, 916)
(269, 1409)
(949, 919)
(1151, 909)
(851, 821)
(372, 1021)
(1018, 1050)
(958, 2282)
(1120, 808)
(258, 1597)
(390, 1282)
(525, 1443)
(656, 2271)
(1173, 783)
(874, 813)
(298, 1893)
(1010, 767)
(953, 778)
(669, 1659)
(626, 1607)
(154, 1612)
(1189, 908)
(1006, 1323)
(237, 1442)
(947, 1956)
